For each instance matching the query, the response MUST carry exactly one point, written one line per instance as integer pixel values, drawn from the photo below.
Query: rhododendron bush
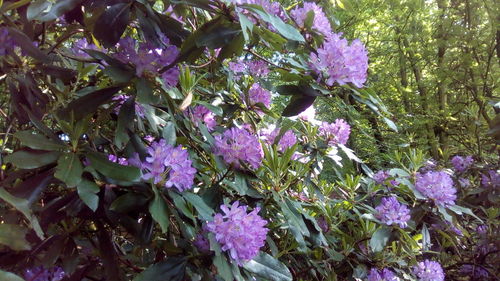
(179, 140)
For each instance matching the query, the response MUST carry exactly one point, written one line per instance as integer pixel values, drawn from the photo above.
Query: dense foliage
(249, 140)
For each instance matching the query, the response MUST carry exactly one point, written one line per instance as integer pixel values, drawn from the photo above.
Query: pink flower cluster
(335, 133)
(287, 140)
(320, 22)
(165, 158)
(238, 146)
(240, 233)
(437, 186)
(257, 94)
(201, 114)
(390, 211)
(461, 164)
(255, 68)
(337, 61)
(149, 59)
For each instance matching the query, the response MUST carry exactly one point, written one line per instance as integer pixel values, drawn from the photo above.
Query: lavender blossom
(80, 45)
(120, 160)
(239, 233)
(463, 182)
(491, 179)
(201, 243)
(273, 8)
(202, 114)
(237, 145)
(287, 140)
(121, 99)
(336, 132)
(257, 94)
(429, 271)
(482, 229)
(337, 61)
(437, 186)
(258, 68)
(320, 23)
(381, 275)
(43, 274)
(162, 158)
(461, 164)
(390, 211)
(6, 41)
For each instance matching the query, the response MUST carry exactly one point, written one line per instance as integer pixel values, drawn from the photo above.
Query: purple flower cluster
(428, 270)
(257, 94)
(6, 41)
(461, 164)
(476, 271)
(390, 211)
(165, 158)
(41, 273)
(335, 133)
(256, 68)
(437, 186)
(382, 275)
(237, 145)
(320, 24)
(381, 177)
(239, 233)
(202, 114)
(201, 243)
(273, 8)
(148, 59)
(121, 99)
(491, 179)
(482, 229)
(80, 45)
(120, 160)
(287, 140)
(337, 61)
(463, 182)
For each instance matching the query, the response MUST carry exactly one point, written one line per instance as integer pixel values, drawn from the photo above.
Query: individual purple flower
(429, 165)
(258, 68)
(238, 145)
(428, 270)
(390, 211)
(121, 99)
(482, 229)
(80, 45)
(6, 41)
(120, 160)
(202, 114)
(437, 186)
(491, 179)
(461, 164)
(335, 133)
(257, 94)
(337, 61)
(308, 115)
(381, 176)
(382, 275)
(320, 22)
(463, 182)
(476, 271)
(164, 157)
(41, 273)
(323, 224)
(201, 243)
(240, 233)
(149, 138)
(287, 140)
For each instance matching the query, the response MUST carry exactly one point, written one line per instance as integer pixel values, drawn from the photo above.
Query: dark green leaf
(36, 8)
(128, 202)
(58, 9)
(111, 169)
(172, 269)
(69, 169)
(204, 211)
(13, 236)
(391, 124)
(168, 133)
(22, 206)
(125, 122)
(87, 191)
(27, 45)
(119, 73)
(111, 24)
(145, 92)
(297, 104)
(88, 104)
(268, 267)
(37, 141)
(234, 48)
(7, 276)
(159, 210)
(283, 28)
(223, 268)
(297, 90)
(380, 238)
(32, 159)
(217, 36)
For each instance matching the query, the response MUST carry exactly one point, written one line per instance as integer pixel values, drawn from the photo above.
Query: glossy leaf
(268, 267)
(13, 236)
(110, 26)
(172, 269)
(159, 211)
(37, 141)
(87, 191)
(380, 238)
(69, 169)
(113, 170)
(31, 159)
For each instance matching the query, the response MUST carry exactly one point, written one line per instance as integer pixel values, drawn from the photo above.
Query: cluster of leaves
(68, 205)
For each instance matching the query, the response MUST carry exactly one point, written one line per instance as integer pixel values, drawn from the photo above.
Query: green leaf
(223, 268)
(246, 26)
(13, 236)
(26, 44)
(36, 8)
(172, 269)
(380, 238)
(391, 124)
(217, 110)
(168, 133)
(463, 210)
(426, 238)
(69, 169)
(25, 159)
(204, 211)
(111, 169)
(128, 202)
(159, 210)
(219, 35)
(145, 92)
(7, 276)
(22, 206)
(234, 48)
(87, 104)
(87, 191)
(297, 104)
(283, 28)
(37, 141)
(111, 24)
(58, 9)
(303, 90)
(125, 122)
(267, 267)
